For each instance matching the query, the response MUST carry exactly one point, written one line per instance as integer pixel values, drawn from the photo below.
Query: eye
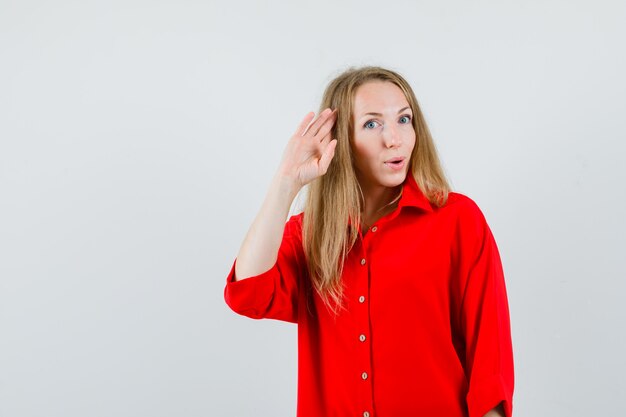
(370, 124)
(405, 119)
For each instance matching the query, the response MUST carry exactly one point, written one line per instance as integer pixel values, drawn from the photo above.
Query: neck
(375, 201)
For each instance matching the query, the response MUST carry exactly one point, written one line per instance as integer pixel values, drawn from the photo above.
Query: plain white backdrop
(137, 140)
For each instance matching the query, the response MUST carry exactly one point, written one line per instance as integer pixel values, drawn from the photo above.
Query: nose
(391, 136)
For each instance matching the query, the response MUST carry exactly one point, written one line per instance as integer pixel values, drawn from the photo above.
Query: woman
(395, 282)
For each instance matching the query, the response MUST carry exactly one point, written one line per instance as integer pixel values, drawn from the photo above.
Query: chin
(394, 181)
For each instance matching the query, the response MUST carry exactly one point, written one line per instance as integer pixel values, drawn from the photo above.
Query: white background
(137, 140)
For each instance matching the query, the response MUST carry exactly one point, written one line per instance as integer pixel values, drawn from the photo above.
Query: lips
(395, 163)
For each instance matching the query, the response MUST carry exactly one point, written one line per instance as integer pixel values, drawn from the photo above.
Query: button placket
(363, 326)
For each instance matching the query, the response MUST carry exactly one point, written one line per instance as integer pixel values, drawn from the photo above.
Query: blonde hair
(332, 212)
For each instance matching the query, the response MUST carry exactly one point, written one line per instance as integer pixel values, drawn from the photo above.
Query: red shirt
(426, 327)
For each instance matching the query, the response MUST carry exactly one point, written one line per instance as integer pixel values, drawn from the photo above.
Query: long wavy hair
(335, 200)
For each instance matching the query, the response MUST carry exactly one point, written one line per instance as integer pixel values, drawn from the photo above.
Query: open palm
(310, 150)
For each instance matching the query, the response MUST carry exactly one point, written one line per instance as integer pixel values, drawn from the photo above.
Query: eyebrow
(380, 114)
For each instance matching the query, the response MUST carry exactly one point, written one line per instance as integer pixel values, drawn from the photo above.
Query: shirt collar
(412, 196)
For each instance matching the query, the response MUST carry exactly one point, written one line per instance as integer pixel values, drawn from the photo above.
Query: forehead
(378, 96)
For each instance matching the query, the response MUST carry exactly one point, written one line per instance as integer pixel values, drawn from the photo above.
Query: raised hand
(306, 157)
(310, 150)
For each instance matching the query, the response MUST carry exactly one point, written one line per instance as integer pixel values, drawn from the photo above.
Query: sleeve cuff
(252, 296)
(487, 394)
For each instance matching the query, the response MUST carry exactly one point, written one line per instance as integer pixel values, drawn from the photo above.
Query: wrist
(286, 186)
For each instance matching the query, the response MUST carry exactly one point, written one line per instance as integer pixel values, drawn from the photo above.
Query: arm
(259, 250)
(484, 319)
(307, 156)
(263, 282)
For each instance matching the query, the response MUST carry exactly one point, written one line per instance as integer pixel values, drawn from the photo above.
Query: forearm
(259, 250)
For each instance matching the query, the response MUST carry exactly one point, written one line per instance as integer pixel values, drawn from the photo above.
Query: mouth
(395, 163)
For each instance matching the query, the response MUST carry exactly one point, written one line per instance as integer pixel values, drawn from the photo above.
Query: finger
(327, 126)
(302, 128)
(326, 140)
(315, 126)
(327, 156)
(327, 123)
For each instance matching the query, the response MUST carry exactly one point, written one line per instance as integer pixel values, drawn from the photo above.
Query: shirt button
(363, 261)
(366, 414)
(375, 228)
(362, 299)
(362, 338)
(364, 375)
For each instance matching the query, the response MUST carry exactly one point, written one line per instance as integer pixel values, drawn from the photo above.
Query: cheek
(411, 140)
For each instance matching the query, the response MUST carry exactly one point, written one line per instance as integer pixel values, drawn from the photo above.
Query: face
(383, 135)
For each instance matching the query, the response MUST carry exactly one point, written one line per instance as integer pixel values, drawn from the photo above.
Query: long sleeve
(274, 293)
(485, 323)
